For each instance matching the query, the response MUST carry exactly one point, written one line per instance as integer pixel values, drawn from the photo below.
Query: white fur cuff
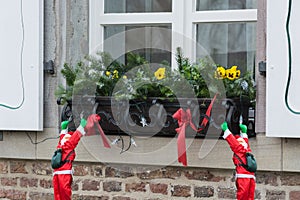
(226, 133)
(65, 131)
(81, 130)
(243, 135)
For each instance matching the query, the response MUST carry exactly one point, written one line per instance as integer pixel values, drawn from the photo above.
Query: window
(151, 42)
(225, 4)
(228, 44)
(226, 30)
(137, 6)
(223, 30)
(139, 26)
(155, 29)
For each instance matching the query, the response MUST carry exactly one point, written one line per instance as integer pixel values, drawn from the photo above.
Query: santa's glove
(64, 127)
(243, 128)
(80, 128)
(83, 122)
(224, 127)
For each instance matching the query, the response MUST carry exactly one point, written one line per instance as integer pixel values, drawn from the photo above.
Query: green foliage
(201, 76)
(101, 75)
(69, 73)
(243, 86)
(198, 74)
(97, 75)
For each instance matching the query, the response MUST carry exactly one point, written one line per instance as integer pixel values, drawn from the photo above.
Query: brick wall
(23, 179)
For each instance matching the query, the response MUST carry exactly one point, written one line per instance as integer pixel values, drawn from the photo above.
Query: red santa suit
(245, 180)
(62, 177)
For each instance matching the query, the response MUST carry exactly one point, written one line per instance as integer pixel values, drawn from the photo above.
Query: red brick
(257, 194)
(226, 193)
(18, 167)
(292, 179)
(202, 175)
(2, 193)
(122, 198)
(275, 194)
(9, 181)
(150, 174)
(42, 168)
(81, 170)
(28, 182)
(88, 197)
(13, 194)
(90, 185)
(112, 186)
(159, 188)
(181, 191)
(39, 196)
(294, 195)
(135, 187)
(115, 172)
(75, 185)
(97, 171)
(46, 183)
(267, 178)
(169, 172)
(3, 167)
(205, 191)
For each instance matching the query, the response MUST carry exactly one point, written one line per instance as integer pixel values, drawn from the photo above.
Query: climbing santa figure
(62, 176)
(244, 175)
(65, 154)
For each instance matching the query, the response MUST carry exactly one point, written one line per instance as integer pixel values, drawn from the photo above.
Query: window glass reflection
(150, 42)
(137, 6)
(228, 43)
(225, 4)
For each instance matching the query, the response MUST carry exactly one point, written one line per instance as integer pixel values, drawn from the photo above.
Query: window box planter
(154, 117)
(150, 116)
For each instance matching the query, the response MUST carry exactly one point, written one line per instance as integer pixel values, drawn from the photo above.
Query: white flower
(244, 85)
(92, 72)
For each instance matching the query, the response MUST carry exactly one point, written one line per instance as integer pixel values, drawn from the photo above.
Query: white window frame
(183, 20)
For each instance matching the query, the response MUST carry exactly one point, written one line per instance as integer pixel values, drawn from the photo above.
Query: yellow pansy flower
(116, 74)
(233, 73)
(220, 73)
(234, 68)
(230, 74)
(237, 74)
(237, 71)
(107, 73)
(160, 73)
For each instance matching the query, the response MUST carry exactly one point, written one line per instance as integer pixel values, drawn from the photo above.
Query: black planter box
(154, 116)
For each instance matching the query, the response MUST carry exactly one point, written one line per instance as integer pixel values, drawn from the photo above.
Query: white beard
(62, 142)
(65, 138)
(245, 145)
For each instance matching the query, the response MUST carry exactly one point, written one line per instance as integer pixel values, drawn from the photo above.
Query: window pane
(151, 42)
(136, 6)
(225, 4)
(228, 44)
